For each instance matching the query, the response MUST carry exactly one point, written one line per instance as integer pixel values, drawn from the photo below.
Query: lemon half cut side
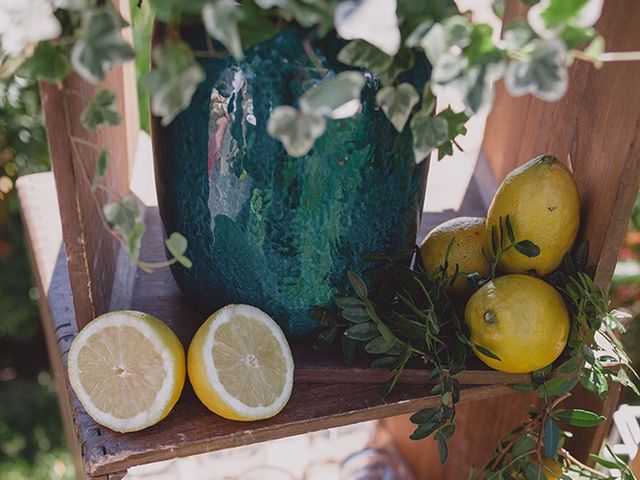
(240, 364)
(127, 369)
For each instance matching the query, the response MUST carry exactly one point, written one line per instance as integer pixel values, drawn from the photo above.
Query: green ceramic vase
(267, 229)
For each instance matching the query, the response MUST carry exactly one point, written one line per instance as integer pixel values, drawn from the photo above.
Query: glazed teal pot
(267, 229)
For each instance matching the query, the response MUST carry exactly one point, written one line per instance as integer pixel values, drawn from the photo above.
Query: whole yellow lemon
(521, 319)
(542, 202)
(467, 234)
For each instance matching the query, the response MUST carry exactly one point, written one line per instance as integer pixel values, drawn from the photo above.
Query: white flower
(372, 20)
(23, 22)
(586, 16)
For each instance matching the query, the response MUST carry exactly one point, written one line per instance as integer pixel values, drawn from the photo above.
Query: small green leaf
(443, 450)
(101, 111)
(557, 386)
(173, 81)
(48, 63)
(443, 36)
(577, 37)
(347, 302)
(425, 429)
(384, 363)
(517, 34)
(486, 352)
(578, 417)
(100, 45)
(221, 19)
(428, 132)
(509, 227)
(378, 345)
(528, 248)
(424, 416)
(295, 129)
(337, 97)
(604, 462)
(523, 444)
(550, 438)
(397, 103)
(543, 74)
(101, 168)
(355, 315)
(125, 217)
(177, 245)
(325, 338)
(358, 285)
(362, 332)
(359, 53)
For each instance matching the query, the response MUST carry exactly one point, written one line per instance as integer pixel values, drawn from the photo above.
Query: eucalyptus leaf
(543, 74)
(424, 416)
(125, 217)
(429, 132)
(550, 438)
(100, 45)
(528, 248)
(101, 111)
(362, 332)
(347, 302)
(486, 352)
(384, 363)
(378, 345)
(48, 63)
(360, 53)
(336, 97)
(578, 417)
(397, 103)
(221, 19)
(173, 81)
(425, 429)
(358, 285)
(295, 129)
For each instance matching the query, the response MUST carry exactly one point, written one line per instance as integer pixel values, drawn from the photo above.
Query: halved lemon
(127, 369)
(240, 364)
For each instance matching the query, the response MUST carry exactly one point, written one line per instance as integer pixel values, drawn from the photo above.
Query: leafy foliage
(100, 45)
(101, 111)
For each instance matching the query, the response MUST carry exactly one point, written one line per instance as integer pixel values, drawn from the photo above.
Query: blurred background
(32, 442)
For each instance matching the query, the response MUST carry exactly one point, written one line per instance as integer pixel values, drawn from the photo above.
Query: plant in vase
(290, 138)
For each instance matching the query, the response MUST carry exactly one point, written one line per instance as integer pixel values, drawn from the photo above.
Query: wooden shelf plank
(326, 393)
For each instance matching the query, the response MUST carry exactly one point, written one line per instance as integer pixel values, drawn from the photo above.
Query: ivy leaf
(528, 248)
(125, 217)
(550, 438)
(576, 37)
(295, 129)
(550, 17)
(372, 20)
(517, 34)
(100, 45)
(177, 245)
(578, 417)
(455, 126)
(360, 53)
(337, 97)
(455, 31)
(397, 103)
(173, 81)
(101, 169)
(544, 74)
(402, 62)
(221, 19)
(101, 111)
(48, 63)
(429, 132)
(594, 50)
